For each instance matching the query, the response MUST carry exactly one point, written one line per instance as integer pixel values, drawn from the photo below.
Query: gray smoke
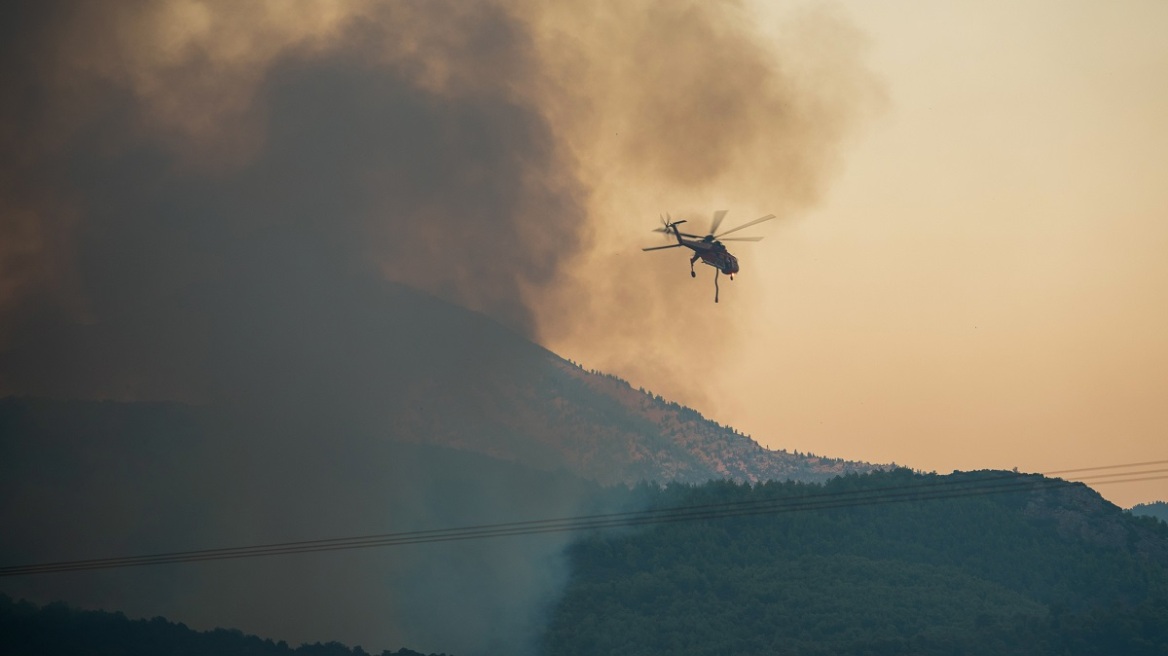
(221, 232)
(210, 202)
(134, 271)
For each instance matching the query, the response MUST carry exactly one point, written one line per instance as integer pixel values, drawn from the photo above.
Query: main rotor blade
(683, 234)
(718, 216)
(768, 217)
(742, 239)
(657, 248)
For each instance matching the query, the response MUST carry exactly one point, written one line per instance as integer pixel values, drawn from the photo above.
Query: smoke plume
(202, 200)
(688, 108)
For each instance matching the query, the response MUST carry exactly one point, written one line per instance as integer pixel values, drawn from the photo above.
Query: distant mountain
(1157, 509)
(557, 415)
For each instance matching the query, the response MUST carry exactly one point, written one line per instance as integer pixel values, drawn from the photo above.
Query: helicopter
(708, 248)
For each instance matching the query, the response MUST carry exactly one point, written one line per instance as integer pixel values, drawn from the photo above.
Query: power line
(963, 485)
(1102, 467)
(917, 491)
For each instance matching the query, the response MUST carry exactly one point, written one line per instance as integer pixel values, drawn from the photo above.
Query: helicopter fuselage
(712, 253)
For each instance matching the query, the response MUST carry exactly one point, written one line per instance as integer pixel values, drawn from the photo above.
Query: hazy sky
(983, 280)
(967, 270)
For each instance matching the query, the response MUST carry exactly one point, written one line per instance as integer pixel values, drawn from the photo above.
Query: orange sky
(982, 280)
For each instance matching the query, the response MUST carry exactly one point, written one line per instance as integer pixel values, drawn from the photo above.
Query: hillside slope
(557, 415)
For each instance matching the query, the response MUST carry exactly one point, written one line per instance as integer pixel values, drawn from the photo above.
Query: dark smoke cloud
(509, 157)
(422, 167)
(204, 201)
(190, 216)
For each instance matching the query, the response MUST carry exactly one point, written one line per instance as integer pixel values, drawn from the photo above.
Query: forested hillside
(59, 630)
(604, 429)
(859, 567)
